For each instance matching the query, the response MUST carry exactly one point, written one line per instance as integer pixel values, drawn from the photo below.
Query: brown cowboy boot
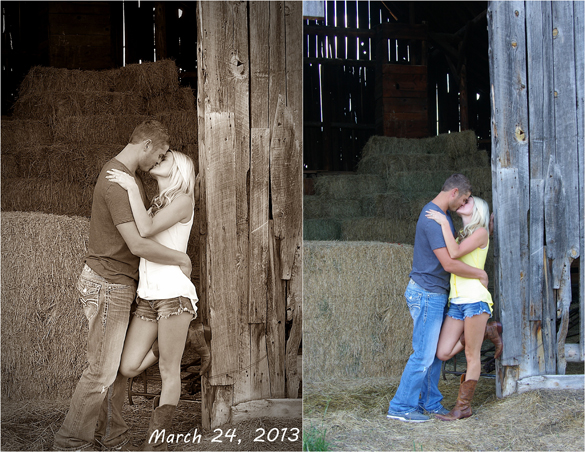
(462, 408)
(197, 338)
(493, 331)
(159, 427)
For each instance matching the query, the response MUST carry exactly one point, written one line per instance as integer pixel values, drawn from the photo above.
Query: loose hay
(353, 412)
(43, 328)
(355, 320)
(21, 132)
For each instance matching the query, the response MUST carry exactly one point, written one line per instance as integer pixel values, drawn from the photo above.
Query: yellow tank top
(471, 289)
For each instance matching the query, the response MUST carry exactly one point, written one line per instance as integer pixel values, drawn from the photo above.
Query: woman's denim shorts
(460, 311)
(154, 310)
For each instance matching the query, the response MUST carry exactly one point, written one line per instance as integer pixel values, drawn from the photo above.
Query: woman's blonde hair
(182, 182)
(479, 218)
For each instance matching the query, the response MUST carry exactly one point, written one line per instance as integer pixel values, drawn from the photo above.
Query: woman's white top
(161, 282)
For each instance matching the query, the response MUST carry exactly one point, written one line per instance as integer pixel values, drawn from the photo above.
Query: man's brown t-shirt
(107, 254)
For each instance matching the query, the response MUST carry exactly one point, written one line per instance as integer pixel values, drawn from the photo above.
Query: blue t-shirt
(427, 271)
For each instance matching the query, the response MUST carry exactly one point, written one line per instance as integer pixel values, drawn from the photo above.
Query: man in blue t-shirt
(426, 296)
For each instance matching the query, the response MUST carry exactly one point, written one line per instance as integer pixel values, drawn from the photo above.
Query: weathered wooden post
(250, 112)
(536, 72)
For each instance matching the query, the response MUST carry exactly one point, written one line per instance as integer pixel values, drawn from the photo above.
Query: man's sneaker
(413, 416)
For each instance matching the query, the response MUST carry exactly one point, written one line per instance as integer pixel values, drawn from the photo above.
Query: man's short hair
(457, 181)
(150, 130)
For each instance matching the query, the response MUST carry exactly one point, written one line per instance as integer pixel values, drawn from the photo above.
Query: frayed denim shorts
(154, 310)
(460, 311)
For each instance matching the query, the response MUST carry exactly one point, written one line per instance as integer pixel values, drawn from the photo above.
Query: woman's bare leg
(449, 344)
(137, 354)
(474, 331)
(172, 334)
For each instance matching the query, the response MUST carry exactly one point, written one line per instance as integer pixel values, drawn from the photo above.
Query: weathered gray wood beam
(542, 310)
(506, 27)
(559, 382)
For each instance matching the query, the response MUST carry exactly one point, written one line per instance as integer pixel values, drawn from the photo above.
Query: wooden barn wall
(343, 106)
(537, 166)
(250, 107)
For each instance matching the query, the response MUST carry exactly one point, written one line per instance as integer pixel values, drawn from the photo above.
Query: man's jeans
(419, 385)
(100, 391)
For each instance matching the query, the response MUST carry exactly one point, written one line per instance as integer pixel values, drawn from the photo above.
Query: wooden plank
(510, 184)
(539, 46)
(286, 178)
(277, 79)
(579, 16)
(557, 382)
(566, 118)
(271, 408)
(573, 353)
(259, 64)
(259, 228)
(295, 306)
(160, 30)
(260, 382)
(293, 68)
(216, 404)
(276, 318)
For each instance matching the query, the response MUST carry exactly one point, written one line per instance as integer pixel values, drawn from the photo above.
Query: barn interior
(396, 98)
(76, 79)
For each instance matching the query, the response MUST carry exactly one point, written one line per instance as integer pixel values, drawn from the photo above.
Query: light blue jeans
(419, 385)
(99, 395)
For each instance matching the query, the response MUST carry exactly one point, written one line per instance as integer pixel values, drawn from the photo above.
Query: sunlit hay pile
(353, 414)
(43, 328)
(355, 321)
(395, 178)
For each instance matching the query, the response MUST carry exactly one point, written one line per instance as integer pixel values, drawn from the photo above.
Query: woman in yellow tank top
(465, 326)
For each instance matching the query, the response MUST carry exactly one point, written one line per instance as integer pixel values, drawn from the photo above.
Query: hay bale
(387, 164)
(78, 103)
(24, 132)
(41, 80)
(104, 129)
(43, 327)
(395, 205)
(72, 163)
(379, 229)
(452, 145)
(117, 129)
(44, 195)
(147, 79)
(181, 100)
(349, 186)
(355, 321)
(182, 126)
(315, 206)
(321, 229)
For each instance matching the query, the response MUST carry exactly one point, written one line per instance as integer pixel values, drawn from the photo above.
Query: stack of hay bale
(395, 179)
(356, 323)
(66, 124)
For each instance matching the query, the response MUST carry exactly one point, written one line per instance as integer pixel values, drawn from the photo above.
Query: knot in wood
(238, 68)
(520, 135)
(514, 44)
(555, 32)
(516, 13)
